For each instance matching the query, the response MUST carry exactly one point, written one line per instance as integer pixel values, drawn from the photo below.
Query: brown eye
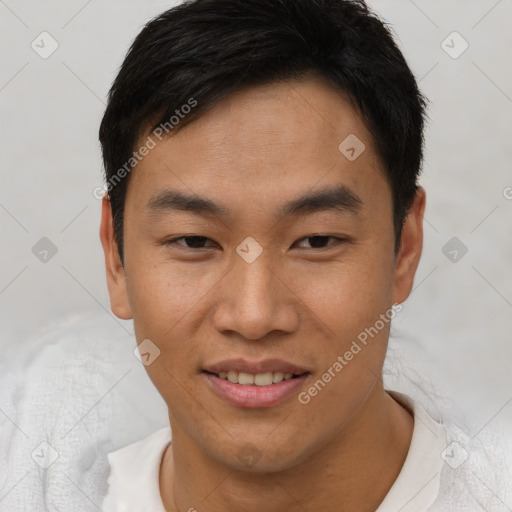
(191, 242)
(319, 241)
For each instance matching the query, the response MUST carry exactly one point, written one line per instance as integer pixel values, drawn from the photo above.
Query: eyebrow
(340, 198)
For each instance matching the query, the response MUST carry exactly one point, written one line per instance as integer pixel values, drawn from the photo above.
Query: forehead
(272, 140)
(293, 116)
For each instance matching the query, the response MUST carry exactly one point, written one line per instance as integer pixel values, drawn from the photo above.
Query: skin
(253, 152)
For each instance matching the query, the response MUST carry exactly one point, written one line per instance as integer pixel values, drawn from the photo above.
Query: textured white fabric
(81, 389)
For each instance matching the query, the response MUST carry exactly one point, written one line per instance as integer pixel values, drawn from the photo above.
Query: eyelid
(174, 241)
(337, 238)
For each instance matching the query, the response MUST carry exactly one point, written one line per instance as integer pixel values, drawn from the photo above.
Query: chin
(258, 456)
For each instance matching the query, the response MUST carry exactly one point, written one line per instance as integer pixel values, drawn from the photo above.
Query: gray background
(458, 319)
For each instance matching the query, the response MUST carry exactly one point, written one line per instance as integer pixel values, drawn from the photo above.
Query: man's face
(215, 303)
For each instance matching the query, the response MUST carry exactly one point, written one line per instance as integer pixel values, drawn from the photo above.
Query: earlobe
(116, 276)
(409, 255)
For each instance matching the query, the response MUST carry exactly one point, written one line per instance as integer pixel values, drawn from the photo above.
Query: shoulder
(477, 471)
(145, 451)
(474, 472)
(133, 482)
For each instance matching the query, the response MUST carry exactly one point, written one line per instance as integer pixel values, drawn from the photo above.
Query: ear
(409, 254)
(116, 277)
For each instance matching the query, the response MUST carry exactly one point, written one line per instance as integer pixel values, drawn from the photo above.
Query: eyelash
(175, 240)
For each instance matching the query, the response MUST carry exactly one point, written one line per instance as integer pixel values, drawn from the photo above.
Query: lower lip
(255, 396)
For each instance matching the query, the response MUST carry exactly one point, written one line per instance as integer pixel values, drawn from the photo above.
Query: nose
(255, 300)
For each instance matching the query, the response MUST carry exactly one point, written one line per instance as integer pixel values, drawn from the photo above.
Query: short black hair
(201, 51)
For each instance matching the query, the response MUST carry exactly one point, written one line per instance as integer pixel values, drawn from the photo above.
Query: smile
(253, 391)
(258, 379)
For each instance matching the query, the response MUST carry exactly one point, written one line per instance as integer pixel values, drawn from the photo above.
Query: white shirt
(133, 483)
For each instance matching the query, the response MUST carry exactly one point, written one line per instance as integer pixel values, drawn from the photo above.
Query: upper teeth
(259, 379)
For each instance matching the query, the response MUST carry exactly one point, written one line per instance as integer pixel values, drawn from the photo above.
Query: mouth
(255, 385)
(255, 379)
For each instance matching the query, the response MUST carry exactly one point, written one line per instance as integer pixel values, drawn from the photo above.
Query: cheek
(169, 302)
(352, 308)
(163, 293)
(165, 300)
(348, 297)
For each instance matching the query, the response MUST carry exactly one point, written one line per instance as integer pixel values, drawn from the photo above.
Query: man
(263, 224)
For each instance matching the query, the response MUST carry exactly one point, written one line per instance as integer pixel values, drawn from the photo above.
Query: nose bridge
(254, 286)
(254, 302)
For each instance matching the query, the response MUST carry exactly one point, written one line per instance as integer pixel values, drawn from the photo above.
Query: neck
(354, 471)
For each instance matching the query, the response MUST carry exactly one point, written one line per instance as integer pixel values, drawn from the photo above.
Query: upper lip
(254, 367)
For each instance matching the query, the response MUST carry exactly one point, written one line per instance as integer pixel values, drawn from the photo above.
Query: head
(296, 123)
